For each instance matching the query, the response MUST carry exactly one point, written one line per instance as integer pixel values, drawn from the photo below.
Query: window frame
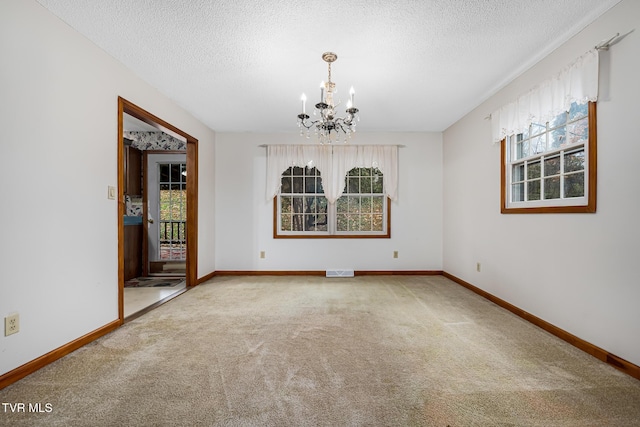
(332, 215)
(585, 204)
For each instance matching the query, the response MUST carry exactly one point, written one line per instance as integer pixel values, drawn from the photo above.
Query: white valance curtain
(577, 82)
(333, 163)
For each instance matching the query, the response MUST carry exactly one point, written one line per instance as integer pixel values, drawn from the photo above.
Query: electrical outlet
(395, 254)
(262, 254)
(478, 267)
(11, 324)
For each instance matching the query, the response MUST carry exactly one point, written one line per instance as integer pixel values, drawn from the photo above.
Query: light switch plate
(111, 192)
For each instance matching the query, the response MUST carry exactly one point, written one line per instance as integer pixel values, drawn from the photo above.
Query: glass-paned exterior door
(173, 211)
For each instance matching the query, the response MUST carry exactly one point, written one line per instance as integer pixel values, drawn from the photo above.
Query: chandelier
(327, 127)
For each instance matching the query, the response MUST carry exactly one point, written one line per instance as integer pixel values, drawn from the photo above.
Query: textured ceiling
(241, 65)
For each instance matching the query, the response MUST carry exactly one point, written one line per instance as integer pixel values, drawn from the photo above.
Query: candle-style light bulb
(352, 93)
(322, 91)
(303, 98)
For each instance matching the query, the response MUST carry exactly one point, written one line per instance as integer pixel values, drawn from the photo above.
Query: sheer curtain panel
(333, 163)
(577, 82)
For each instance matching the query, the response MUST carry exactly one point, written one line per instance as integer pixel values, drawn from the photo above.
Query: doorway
(182, 242)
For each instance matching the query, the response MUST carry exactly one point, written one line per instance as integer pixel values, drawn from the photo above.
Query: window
(302, 210)
(361, 207)
(551, 167)
(173, 211)
(302, 204)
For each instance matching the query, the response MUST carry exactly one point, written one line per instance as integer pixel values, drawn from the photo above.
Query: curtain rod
(605, 45)
(341, 145)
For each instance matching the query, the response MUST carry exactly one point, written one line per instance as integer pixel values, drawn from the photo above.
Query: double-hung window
(362, 209)
(551, 167)
(302, 210)
(301, 204)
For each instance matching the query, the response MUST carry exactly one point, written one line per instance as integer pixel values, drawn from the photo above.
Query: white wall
(244, 217)
(576, 271)
(59, 154)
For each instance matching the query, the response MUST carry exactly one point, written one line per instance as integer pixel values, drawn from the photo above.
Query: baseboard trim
(595, 351)
(323, 273)
(30, 367)
(205, 278)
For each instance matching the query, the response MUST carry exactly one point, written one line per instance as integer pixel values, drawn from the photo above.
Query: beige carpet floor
(312, 351)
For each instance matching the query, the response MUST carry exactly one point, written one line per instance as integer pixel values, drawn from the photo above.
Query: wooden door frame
(127, 107)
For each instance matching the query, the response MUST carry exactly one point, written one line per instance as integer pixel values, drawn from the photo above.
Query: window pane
(377, 223)
(538, 128)
(578, 131)
(310, 184)
(378, 204)
(577, 111)
(354, 223)
(164, 173)
(298, 204)
(365, 222)
(366, 204)
(538, 144)
(574, 185)
(518, 154)
(377, 182)
(522, 149)
(365, 184)
(558, 120)
(285, 204)
(517, 192)
(285, 222)
(354, 204)
(365, 171)
(310, 222)
(175, 172)
(353, 185)
(552, 166)
(297, 171)
(558, 137)
(321, 224)
(533, 192)
(574, 161)
(297, 222)
(342, 204)
(342, 222)
(518, 173)
(533, 170)
(552, 188)
(322, 204)
(298, 184)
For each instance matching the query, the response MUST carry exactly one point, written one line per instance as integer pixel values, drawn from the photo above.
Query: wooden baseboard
(323, 273)
(30, 367)
(398, 273)
(205, 278)
(595, 351)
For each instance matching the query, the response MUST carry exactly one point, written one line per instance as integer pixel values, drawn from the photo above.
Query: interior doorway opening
(158, 217)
